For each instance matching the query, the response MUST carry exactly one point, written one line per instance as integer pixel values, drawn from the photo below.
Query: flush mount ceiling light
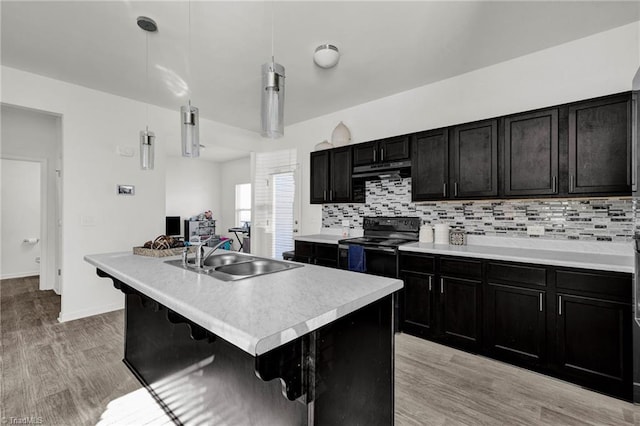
(189, 115)
(147, 137)
(326, 56)
(272, 104)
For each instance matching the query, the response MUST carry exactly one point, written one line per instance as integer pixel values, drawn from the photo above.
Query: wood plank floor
(72, 374)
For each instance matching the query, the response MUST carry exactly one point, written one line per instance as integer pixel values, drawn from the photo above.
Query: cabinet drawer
(615, 286)
(508, 273)
(303, 249)
(327, 252)
(461, 267)
(417, 263)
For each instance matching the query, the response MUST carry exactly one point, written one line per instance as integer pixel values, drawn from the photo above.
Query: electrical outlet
(535, 230)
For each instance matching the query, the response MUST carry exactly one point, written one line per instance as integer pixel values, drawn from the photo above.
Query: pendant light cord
(189, 76)
(272, 31)
(146, 70)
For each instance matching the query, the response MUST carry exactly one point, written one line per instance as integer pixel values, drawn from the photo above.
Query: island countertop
(255, 314)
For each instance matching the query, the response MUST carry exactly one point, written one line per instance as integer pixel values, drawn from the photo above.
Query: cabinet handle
(430, 279)
(324, 195)
(455, 189)
(444, 189)
(381, 154)
(540, 295)
(555, 184)
(559, 305)
(374, 155)
(571, 179)
(441, 285)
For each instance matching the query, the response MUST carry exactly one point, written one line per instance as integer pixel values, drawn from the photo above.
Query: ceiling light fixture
(190, 115)
(147, 137)
(272, 104)
(326, 56)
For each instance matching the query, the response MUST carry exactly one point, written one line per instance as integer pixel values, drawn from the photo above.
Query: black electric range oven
(381, 239)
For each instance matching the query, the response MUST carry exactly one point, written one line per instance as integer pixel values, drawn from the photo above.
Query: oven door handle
(380, 249)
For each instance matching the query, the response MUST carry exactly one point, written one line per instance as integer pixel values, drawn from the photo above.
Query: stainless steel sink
(234, 266)
(256, 267)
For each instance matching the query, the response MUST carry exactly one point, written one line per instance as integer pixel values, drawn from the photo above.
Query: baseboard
(83, 313)
(19, 275)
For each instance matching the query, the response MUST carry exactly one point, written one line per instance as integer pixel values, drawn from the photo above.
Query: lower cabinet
(593, 342)
(323, 254)
(515, 324)
(570, 323)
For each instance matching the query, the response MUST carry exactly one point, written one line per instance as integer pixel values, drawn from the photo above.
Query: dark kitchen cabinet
(475, 160)
(460, 302)
(515, 313)
(385, 150)
(593, 330)
(530, 153)
(319, 177)
(419, 315)
(600, 146)
(322, 254)
(430, 165)
(331, 176)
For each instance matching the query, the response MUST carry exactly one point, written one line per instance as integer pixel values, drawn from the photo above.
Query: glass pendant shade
(147, 142)
(190, 131)
(272, 100)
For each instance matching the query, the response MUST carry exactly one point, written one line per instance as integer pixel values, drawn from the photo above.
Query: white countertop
(320, 238)
(608, 261)
(255, 314)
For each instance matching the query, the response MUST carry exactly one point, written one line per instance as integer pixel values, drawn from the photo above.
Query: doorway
(21, 218)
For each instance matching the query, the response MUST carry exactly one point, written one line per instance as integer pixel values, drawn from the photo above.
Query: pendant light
(189, 115)
(272, 103)
(147, 137)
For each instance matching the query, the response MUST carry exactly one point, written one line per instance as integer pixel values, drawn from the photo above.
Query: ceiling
(386, 47)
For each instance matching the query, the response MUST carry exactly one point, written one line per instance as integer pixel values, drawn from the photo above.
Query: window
(243, 203)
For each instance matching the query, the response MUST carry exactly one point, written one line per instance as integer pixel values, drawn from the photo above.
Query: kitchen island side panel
(341, 373)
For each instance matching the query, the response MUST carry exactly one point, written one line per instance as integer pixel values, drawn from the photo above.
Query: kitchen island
(310, 345)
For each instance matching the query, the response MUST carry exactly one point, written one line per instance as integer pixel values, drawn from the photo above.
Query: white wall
(34, 135)
(231, 173)
(20, 193)
(593, 66)
(95, 219)
(193, 186)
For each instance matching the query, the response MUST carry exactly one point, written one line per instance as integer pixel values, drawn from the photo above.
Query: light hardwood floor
(72, 374)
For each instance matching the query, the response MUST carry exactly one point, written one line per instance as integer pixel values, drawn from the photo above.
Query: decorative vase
(341, 135)
(323, 145)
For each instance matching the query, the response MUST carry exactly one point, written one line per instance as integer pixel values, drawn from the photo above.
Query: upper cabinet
(530, 153)
(430, 165)
(600, 146)
(331, 176)
(475, 160)
(385, 150)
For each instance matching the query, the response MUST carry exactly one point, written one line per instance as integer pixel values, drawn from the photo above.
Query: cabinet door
(418, 304)
(326, 254)
(531, 153)
(365, 153)
(340, 182)
(430, 166)
(515, 324)
(600, 146)
(319, 177)
(303, 251)
(394, 149)
(460, 312)
(475, 160)
(594, 343)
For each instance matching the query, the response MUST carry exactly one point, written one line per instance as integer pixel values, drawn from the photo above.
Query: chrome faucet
(200, 257)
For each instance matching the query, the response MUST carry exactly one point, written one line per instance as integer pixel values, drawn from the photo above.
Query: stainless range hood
(394, 170)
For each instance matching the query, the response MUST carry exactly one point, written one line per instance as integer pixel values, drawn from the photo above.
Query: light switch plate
(535, 230)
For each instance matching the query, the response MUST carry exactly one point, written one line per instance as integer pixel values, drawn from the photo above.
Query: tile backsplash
(601, 219)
